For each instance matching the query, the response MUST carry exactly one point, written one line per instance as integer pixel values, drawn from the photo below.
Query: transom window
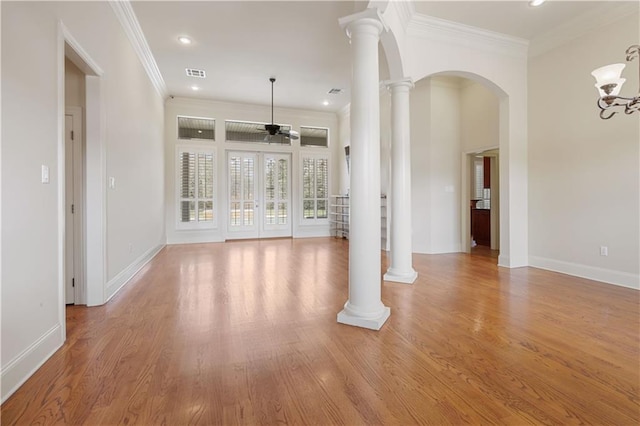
(196, 128)
(243, 131)
(314, 136)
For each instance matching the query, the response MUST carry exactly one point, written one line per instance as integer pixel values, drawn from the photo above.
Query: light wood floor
(246, 332)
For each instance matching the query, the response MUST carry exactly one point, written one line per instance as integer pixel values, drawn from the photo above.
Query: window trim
(316, 146)
(300, 206)
(255, 143)
(196, 140)
(197, 149)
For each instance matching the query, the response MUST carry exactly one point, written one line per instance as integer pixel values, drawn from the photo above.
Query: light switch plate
(45, 174)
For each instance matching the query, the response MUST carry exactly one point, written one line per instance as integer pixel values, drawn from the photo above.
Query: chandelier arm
(608, 116)
(632, 106)
(634, 52)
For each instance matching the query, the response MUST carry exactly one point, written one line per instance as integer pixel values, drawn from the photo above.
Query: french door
(259, 195)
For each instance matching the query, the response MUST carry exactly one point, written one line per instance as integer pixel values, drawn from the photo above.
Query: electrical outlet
(604, 251)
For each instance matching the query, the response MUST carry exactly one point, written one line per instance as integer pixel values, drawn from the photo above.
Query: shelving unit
(339, 216)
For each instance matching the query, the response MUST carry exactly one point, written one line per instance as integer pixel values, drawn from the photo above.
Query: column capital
(402, 82)
(371, 17)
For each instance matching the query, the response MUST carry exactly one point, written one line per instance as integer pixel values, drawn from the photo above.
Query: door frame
(259, 214)
(465, 192)
(95, 195)
(78, 217)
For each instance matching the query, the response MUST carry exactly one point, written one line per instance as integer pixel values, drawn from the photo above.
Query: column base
(397, 277)
(370, 323)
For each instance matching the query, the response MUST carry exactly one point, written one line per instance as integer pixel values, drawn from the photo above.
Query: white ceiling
(240, 44)
(515, 18)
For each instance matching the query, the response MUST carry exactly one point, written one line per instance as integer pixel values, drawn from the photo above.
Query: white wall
(500, 63)
(480, 117)
(344, 136)
(33, 313)
(74, 90)
(221, 111)
(583, 171)
(435, 165)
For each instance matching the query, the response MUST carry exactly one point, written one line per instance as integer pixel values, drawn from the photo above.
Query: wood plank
(245, 332)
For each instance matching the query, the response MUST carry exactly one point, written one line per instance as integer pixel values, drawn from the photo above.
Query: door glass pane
(235, 214)
(270, 212)
(248, 180)
(283, 179)
(322, 209)
(234, 179)
(248, 213)
(282, 213)
(270, 179)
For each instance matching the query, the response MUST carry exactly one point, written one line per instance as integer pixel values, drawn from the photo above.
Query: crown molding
(234, 107)
(428, 27)
(125, 14)
(345, 111)
(581, 25)
(405, 11)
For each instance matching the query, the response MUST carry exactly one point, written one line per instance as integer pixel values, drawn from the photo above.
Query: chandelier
(609, 83)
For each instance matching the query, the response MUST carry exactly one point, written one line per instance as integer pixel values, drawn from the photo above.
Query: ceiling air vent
(335, 91)
(192, 72)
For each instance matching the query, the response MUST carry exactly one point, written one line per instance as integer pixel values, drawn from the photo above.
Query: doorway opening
(259, 195)
(79, 96)
(482, 221)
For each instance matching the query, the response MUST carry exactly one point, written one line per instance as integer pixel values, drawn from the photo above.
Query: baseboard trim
(312, 233)
(19, 369)
(608, 276)
(114, 285)
(195, 238)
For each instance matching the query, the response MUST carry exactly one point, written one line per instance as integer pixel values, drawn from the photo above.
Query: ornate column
(364, 307)
(400, 269)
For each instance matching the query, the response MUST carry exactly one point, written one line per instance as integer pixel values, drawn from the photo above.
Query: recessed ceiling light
(325, 103)
(535, 3)
(195, 88)
(184, 40)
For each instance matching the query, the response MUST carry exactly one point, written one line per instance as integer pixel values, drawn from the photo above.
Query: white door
(276, 195)
(73, 211)
(259, 194)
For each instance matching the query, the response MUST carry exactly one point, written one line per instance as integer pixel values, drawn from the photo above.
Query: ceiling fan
(274, 129)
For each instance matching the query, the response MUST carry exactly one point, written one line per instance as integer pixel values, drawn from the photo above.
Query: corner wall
(584, 171)
(33, 310)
